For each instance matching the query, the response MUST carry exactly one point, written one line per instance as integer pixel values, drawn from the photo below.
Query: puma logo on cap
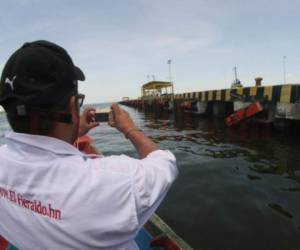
(10, 82)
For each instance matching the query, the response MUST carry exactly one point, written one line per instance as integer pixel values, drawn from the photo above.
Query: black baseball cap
(38, 75)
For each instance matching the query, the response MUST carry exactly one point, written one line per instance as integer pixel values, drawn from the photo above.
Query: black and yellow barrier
(277, 93)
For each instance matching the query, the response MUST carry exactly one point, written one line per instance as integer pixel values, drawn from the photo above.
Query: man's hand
(87, 121)
(120, 119)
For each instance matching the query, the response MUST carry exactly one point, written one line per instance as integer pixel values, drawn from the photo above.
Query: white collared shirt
(54, 197)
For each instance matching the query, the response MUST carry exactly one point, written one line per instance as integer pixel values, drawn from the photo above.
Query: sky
(120, 43)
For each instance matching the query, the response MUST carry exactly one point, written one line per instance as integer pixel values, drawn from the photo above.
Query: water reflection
(238, 188)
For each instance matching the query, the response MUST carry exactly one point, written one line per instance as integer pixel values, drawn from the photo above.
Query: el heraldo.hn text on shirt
(33, 205)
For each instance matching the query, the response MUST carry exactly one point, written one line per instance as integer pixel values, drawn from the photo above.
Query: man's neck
(64, 132)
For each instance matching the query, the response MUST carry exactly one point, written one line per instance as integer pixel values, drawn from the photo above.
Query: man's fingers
(89, 110)
(111, 119)
(88, 115)
(116, 109)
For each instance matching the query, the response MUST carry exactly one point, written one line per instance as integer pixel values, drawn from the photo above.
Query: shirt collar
(51, 144)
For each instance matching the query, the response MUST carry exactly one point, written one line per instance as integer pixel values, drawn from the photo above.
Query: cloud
(141, 43)
(25, 2)
(174, 9)
(175, 44)
(182, 45)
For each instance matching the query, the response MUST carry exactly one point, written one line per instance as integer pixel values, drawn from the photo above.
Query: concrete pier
(279, 102)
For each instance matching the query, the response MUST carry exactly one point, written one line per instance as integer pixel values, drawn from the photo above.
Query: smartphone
(101, 115)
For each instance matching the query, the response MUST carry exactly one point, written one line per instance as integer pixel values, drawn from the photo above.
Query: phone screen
(101, 117)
